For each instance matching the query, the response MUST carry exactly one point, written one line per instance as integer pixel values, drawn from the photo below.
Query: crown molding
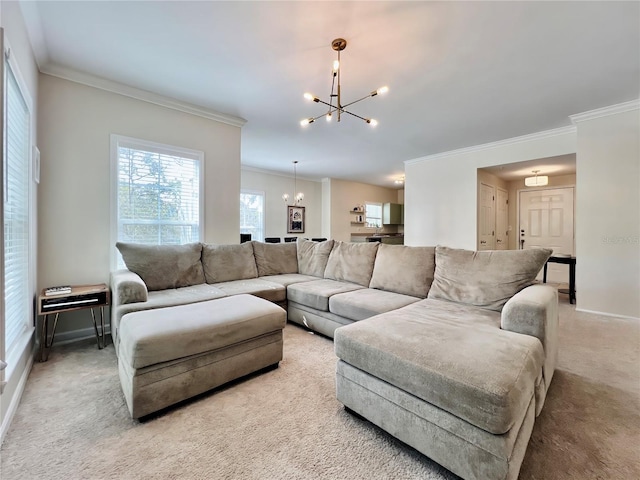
(143, 95)
(500, 143)
(605, 111)
(277, 174)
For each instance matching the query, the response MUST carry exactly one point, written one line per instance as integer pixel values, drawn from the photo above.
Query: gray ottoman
(166, 355)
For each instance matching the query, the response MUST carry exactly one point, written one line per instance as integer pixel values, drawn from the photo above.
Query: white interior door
(487, 218)
(502, 219)
(546, 220)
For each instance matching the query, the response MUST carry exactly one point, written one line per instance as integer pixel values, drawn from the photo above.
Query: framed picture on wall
(295, 219)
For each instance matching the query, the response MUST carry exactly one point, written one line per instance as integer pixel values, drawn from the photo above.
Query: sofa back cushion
(275, 258)
(313, 256)
(402, 269)
(164, 266)
(351, 262)
(223, 263)
(485, 279)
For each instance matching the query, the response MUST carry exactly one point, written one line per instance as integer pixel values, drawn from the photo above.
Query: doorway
(546, 219)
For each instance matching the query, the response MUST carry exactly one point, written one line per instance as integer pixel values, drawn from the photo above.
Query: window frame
(264, 209)
(131, 142)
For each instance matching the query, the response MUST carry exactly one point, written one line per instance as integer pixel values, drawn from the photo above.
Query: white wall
(608, 214)
(441, 190)
(76, 122)
(344, 196)
(16, 35)
(274, 185)
(440, 202)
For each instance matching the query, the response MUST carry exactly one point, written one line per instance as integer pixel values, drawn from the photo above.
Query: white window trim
(264, 207)
(117, 140)
(12, 356)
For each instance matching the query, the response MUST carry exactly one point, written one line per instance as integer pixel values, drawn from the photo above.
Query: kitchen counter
(391, 239)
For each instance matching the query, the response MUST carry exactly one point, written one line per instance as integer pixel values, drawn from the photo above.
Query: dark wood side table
(81, 297)
(571, 261)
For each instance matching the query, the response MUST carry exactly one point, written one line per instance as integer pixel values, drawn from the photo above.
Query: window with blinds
(252, 214)
(16, 211)
(158, 192)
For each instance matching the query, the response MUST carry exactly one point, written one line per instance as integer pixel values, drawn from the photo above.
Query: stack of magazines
(60, 290)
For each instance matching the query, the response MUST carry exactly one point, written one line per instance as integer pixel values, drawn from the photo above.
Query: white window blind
(16, 211)
(373, 214)
(158, 193)
(252, 214)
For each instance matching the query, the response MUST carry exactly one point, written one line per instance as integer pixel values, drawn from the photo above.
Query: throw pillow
(313, 256)
(164, 266)
(402, 269)
(485, 279)
(275, 258)
(223, 263)
(352, 262)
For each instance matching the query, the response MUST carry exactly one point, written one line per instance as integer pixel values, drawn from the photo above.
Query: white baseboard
(15, 400)
(72, 336)
(606, 314)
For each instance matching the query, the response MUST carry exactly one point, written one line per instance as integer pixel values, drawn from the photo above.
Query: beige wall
(76, 122)
(608, 214)
(273, 186)
(15, 374)
(346, 195)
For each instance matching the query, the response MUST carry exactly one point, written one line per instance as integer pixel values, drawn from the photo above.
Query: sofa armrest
(127, 287)
(534, 311)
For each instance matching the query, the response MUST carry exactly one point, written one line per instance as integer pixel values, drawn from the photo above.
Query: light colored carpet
(286, 424)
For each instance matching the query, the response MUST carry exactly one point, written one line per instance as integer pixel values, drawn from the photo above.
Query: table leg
(572, 282)
(99, 335)
(45, 343)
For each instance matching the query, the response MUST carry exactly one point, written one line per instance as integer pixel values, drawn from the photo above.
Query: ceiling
(460, 73)
(559, 165)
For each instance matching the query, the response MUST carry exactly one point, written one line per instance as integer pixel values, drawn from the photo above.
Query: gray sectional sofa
(451, 351)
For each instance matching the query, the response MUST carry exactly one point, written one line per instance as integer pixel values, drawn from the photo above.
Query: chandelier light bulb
(308, 96)
(382, 90)
(328, 117)
(372, 121)
(336, 65)
(285, 197)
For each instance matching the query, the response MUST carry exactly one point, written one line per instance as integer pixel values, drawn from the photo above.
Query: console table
(571, 261)
(81, 297)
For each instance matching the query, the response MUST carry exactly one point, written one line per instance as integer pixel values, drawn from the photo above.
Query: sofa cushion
(288, 278)
(275, 258)
(164, 266)
(485, 279)
(477, 372)
(316, 294)
(402, 269)
(271, 291)
(367, 302)
(351, 262)
(313, 256)
(223, 263)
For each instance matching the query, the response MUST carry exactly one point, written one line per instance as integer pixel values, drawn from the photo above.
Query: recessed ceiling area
(459, 73)
(551, 166)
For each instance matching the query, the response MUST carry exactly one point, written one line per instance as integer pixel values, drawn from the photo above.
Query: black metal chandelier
(335, 101)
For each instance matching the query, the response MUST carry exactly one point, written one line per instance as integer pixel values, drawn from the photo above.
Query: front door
(546, 220)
